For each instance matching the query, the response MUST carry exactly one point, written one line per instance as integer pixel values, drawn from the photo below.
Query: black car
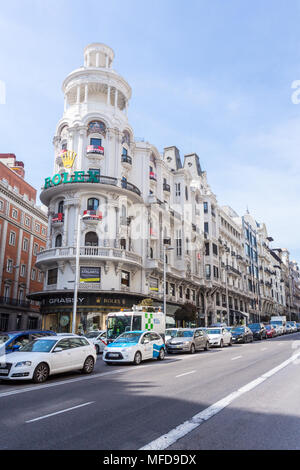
(241, 334)
(259, 330)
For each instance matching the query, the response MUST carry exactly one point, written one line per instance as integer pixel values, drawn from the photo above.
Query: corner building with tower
(131, 202)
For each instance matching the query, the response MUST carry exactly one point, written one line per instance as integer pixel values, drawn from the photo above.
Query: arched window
(97, 127)
(60, 209)
(91, 239)
(58, 240)
(92, 204)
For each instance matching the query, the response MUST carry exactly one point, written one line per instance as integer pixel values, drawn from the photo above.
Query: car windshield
(4, 338)
(128, 338)
(117, 325)
(171, 333)
(254, 326)
(275, 322)
(238, 330)
(213, 332)
(39, 345)
(92, 334)
(184, 334)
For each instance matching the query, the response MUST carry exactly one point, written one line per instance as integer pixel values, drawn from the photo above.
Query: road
(240, 397)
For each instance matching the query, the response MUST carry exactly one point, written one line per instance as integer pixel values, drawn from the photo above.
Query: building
(128, 214)
(23, 233)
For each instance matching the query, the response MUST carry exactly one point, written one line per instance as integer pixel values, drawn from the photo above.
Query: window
(43, 231)
(14, 213)
(91, 239)
(206, 249)
(12, 238)
(35, 249)
(124, 152)
(187, 294)
(37, 227)
(40, 276)
(1, 205)
(58, 240)
(172, 289)
(27, 221)
(205, 207)
(23, 270)
(153, 284)
(216, 272)
(177, 189)
(92, 204)
(96, 142)
(215, 249)
(25, 244)
(33, 274)
(52, 276)
(125, 278)
(6, 292)
(123, 244)
(207, 271)
(178, 243)
(186, 193)
(9, 265)
(151, 252)
(60, 208)
(180, 292)
(206, 227)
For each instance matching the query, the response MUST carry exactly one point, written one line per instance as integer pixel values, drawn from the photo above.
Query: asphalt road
(219, 399)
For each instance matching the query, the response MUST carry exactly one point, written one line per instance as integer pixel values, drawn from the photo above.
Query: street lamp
(166, 241)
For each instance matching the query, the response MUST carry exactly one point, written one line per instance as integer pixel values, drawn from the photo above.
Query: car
(47, 356)
(298, 326)
(293, 326)
(241, 334)
(278, 329)
(219, 337)
(135, 346)
(170, 333)
(289, 329)
(98, 338)
(258, 330)
(218, 325)
(13, 340)
(271, 331)
(188, 340)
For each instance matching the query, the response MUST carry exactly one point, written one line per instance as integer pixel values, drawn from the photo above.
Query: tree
(147, 303)
(187, 313)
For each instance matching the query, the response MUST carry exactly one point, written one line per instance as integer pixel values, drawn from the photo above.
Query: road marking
(236, 357)
(59, 412)
(166, 440)
(186, 373)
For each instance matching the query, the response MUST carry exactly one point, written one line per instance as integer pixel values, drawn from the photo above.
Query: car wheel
(97, 349)
(41, 373)
(221, 344)
(88, 365)
(137, 358)
(192, 350)
(161, 355)
(230, 342)
(206, 346)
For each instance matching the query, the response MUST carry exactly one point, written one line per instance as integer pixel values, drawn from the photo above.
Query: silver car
(98, 338)
(188, 340)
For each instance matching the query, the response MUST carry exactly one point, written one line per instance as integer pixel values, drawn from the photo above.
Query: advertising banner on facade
(88, 274)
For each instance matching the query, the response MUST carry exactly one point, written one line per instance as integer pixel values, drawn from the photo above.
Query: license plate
(114, 354)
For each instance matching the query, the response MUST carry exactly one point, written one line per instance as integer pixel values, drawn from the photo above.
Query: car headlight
(23, 363)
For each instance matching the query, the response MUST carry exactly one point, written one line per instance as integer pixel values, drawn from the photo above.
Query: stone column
(116, 98)
(97, 59)
(86, 91)
(108, 95)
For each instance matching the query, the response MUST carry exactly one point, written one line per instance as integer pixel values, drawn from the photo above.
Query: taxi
(135, 347)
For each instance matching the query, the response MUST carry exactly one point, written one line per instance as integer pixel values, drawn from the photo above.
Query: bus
(138, 318)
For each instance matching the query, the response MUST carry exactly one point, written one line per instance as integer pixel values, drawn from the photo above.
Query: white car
(48, 355)
(98, 338)
(135, 346)
(219, 337)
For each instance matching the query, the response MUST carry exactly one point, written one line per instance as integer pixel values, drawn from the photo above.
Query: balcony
(91, 216)
(94, 253)
(94, 150)
(166, 187)
(152, 176)
(58, 219)
(126, 161)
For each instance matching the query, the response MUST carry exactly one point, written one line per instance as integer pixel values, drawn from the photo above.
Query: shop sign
(91, 176)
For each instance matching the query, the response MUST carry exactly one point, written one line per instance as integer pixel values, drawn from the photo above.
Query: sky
(209, 76)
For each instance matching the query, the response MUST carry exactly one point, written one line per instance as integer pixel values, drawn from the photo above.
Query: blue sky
(212, 77)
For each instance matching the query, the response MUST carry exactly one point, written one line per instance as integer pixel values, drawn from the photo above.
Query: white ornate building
(131, 201)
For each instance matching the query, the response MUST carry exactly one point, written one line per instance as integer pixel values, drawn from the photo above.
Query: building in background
(23, 234)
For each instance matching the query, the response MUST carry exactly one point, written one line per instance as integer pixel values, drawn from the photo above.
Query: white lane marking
(166, 440)
(186, 373)
(59, 412)
(236, 357)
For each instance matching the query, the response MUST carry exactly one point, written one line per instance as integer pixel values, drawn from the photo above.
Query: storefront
(92, 309)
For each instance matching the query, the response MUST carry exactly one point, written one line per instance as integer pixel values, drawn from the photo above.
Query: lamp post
(76, 273)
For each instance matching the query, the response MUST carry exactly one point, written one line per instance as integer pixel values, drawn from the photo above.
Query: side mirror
(58, 349)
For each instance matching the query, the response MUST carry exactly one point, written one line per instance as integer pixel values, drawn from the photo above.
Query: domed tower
(94, 170)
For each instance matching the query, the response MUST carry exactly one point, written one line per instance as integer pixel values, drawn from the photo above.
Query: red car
(271, 332)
